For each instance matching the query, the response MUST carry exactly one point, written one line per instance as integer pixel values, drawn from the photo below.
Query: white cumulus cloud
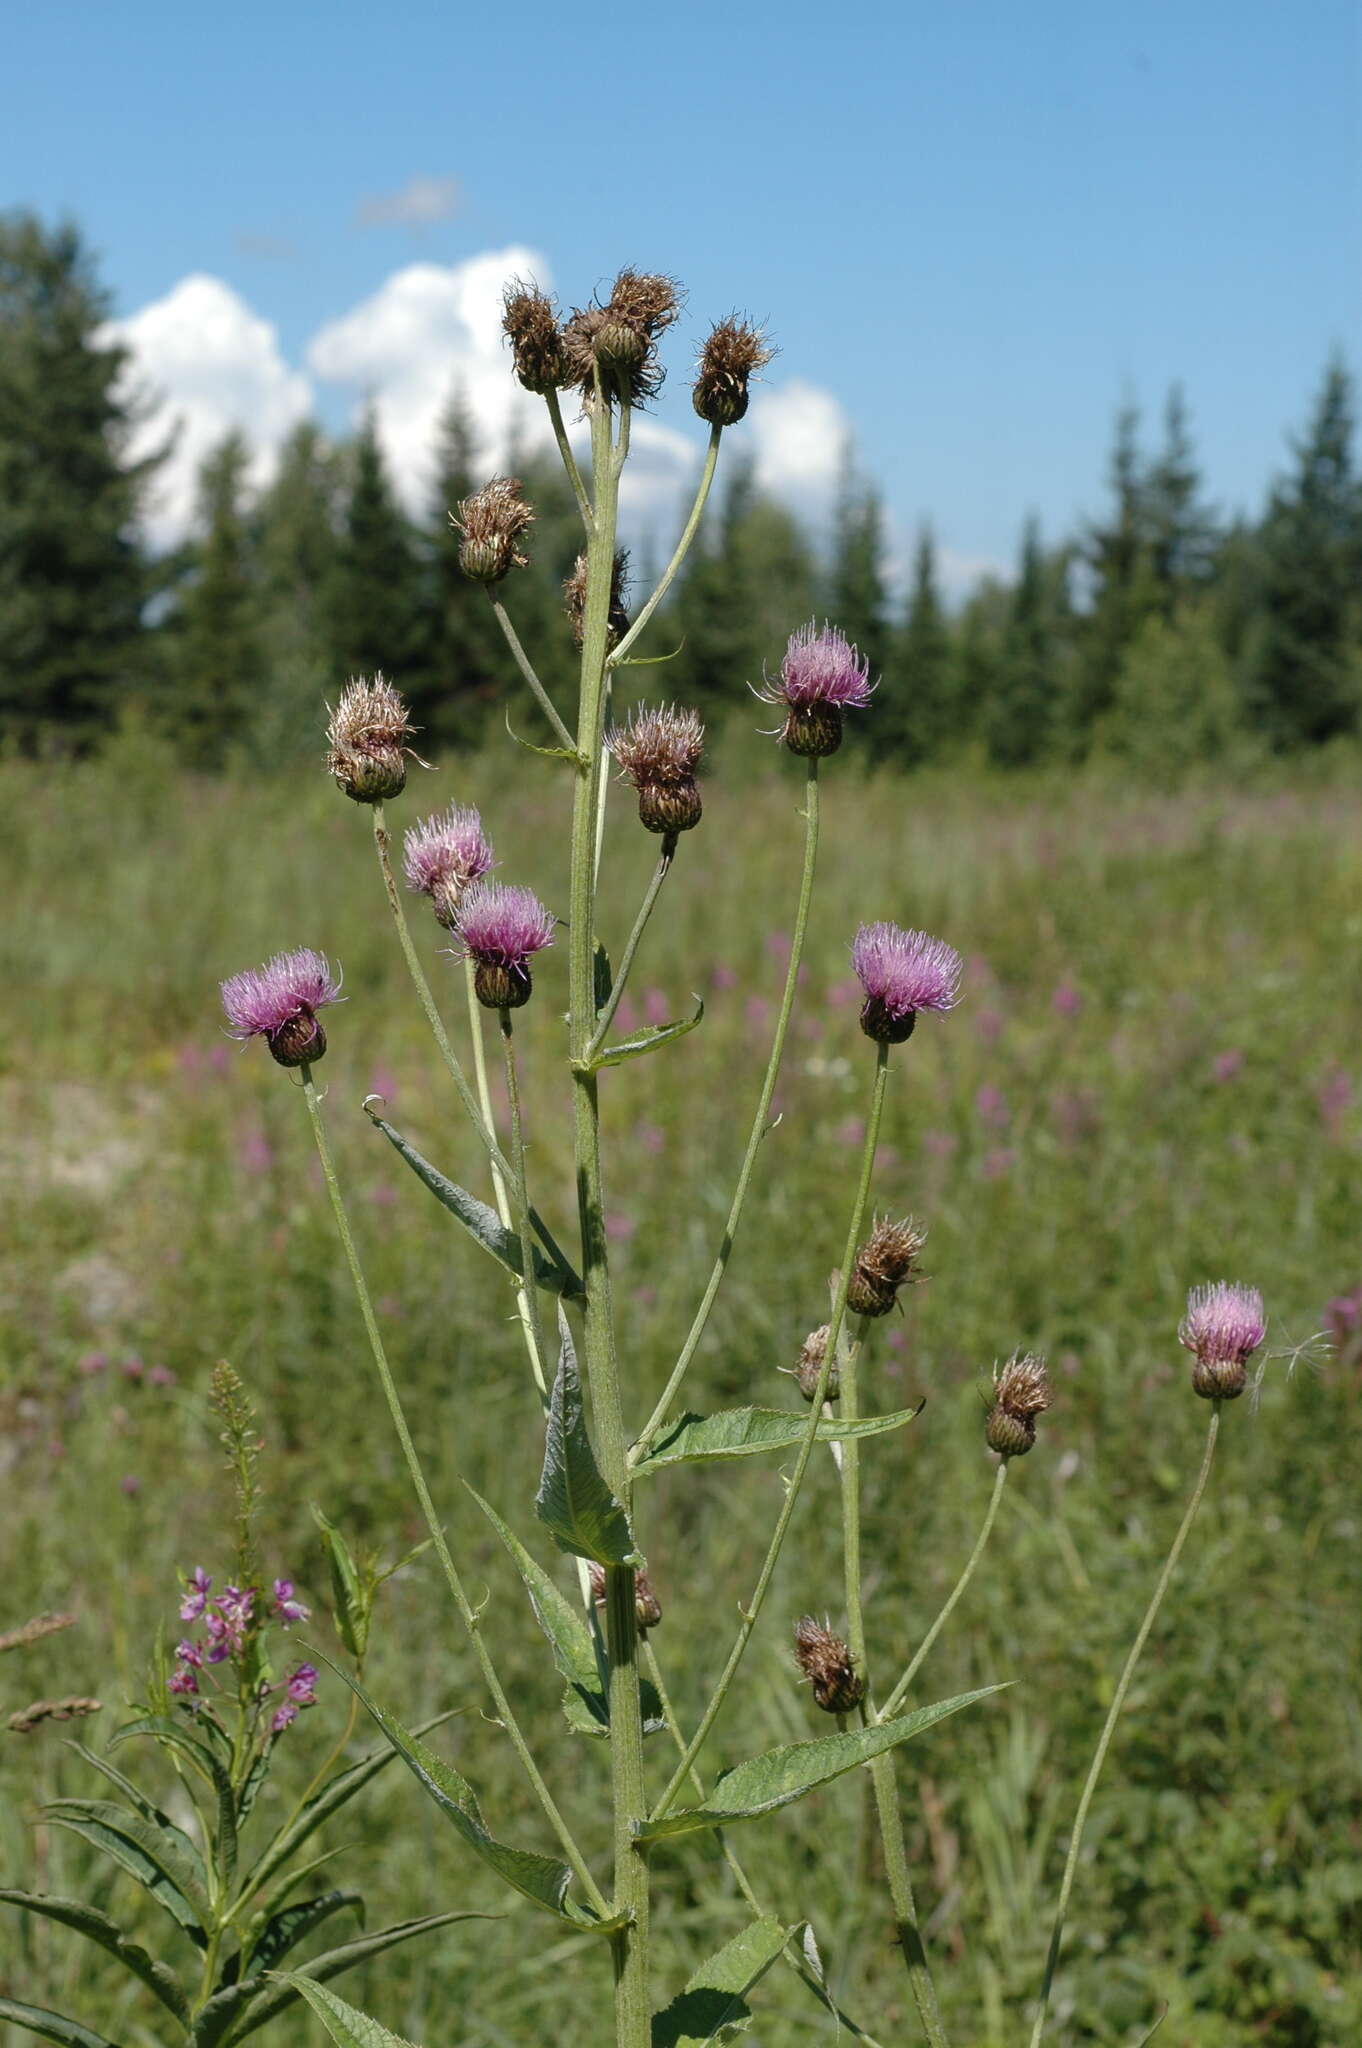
(800, 435)
(213, 364)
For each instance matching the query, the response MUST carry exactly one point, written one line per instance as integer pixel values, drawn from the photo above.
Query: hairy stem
(570, 461)
(528, 1296)
(900, 1692)
(528, 671)
(607, 1016)
(467, 1614)
(752, 1611)
(680, 551)
(1109, 1725)
(759, 1127)
(526, 1306)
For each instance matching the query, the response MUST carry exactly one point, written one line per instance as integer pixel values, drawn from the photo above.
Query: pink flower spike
(279, 1003)
(901, 973)
(1223, 1327)
(444, 855)
(500, 928)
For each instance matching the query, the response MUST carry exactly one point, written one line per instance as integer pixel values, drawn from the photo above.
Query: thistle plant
(604, 1442)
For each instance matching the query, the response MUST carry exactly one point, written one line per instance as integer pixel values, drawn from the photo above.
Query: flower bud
(531, 326)
(366, 741)
(658, 752)
(733, 352)
(886, 1260)
(491, 522)
(827, 1663)
(1021, 1392)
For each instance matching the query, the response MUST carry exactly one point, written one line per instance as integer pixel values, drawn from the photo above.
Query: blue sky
(972, 229)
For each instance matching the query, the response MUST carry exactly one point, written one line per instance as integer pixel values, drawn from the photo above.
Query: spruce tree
(918, 712)
(747, 587)
(1120, 568)
(1182, 534)
(465, 660)
(377, 623)
(1022, 715)
(71, 578)
(297, 520)
(214, 641)
(858, 598)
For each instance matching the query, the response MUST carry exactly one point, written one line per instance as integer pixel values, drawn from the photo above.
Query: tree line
(1159, 632)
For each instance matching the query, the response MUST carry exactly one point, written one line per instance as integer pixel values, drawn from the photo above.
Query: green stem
(900, 1692)
(528, 1296)
(628, 1801)
(528, 671)
(1113, 1716)
(570, 461)
(680, 551)
(529, 1322)
(607, 1016)
(467, 1614)
(753, 1610)
(759, 1128)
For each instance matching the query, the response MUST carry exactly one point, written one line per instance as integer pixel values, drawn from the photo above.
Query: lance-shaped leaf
(109, 1936)
(785, 1774)
(285, 1929)
(647, 1040)
(353, 1604)
(52, 2026)
(544, 1880)
(747, 1432)
(553, 1275)
(574, 1650)
(574, 1503)
(165, 1862)
(715, 1998)
(242, 2009)
(347, 2026)
(165, 1730)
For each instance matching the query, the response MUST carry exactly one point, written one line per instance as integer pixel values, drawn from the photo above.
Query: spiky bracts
(827, 1663)
(500, 928)
(492, 522)
(901, 973)
(279, 1003)
(1021, 1392)
(885, 1262)
(1223, 1327)
(658, 751)
(529, 321)
(366, 737)
(822, 675)
(617, 341)
(731, 356)
(444, 855)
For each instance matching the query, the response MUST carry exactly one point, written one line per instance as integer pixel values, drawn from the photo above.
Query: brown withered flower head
(367, 736)
(647, 1607)
(620, 338)
(885, 1262)
(491, 522)
(530, 323)
(658, 750)
(1021, 1392)
(826, 1662)
(734, 352)
(574, 598)
(809, 1370)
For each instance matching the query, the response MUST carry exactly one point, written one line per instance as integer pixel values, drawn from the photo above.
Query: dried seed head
(618, 339)
(827, 1663)
(444, 855)
(574, 598)
(367, 736)
(33, 1631)
(1021, 1392)
(530, 323)
(279, 1003)
(809, 1370)
(645, 301)
(491, 522)
(71, 1709)
(884, 1262)
(1223, 1327)
(734, 352)
(658, 751)
(647, 1607)
(901, 973)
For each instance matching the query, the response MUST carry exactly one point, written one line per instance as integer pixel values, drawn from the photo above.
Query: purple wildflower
(902, 972)
(189, 1652)
(184, 1683)
(196, 1594)
(500, 927)
(443, 855)
(302, 1685)
(1223, 1327)
(821, 676)
(285, 1606)
(279, 1002)
(281, 1717)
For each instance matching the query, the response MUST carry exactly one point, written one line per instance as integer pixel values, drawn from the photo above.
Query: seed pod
(1021, 1392)
(366, 741)
(885, 1262)
(827, 1663)
(731, 355)
(491, 522)
(531, 326)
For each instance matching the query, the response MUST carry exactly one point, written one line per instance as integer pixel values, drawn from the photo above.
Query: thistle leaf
(574, 1503)
(747, 1432)
(348, 2027)
(713, 2005)
(646, 1040)
(285, 1929)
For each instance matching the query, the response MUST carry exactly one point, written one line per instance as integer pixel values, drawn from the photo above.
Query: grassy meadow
(1154, 1079)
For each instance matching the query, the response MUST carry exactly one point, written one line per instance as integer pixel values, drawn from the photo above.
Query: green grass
(1077, 1172)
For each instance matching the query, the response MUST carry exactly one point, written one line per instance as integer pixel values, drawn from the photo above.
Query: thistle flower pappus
(1223, 1327)
(1021, 1392)
(530, 323)
(821, 676)
(647, 1606)
(499, 928)
(886, 1260)
(279, 1003)
(733, 353)
(574, 598)
(619, 338)
(809, 1370)
(492, 522)
(901, 973)
(366, 737)
(443, 856)
(827, 1663)
(658, 751)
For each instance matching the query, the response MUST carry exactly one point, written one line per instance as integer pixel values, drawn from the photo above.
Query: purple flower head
(1223, 1327)
(500, 926)
(189, 1652)
(184, 1683)
(444, 855)
(285, 1606)
(302, 1685)
(281, 1717)
(901, 973)
(279, 1002)
(196, 1594)
(821, 676)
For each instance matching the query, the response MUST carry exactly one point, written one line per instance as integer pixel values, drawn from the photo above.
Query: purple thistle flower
(302, 1685)
(443, 855)
(500, 927)
(285, 1606)
(902, 972)
(196, 1594)
(279, 1002)
(821, 676)
(281, 1717)
(1223, 1327)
